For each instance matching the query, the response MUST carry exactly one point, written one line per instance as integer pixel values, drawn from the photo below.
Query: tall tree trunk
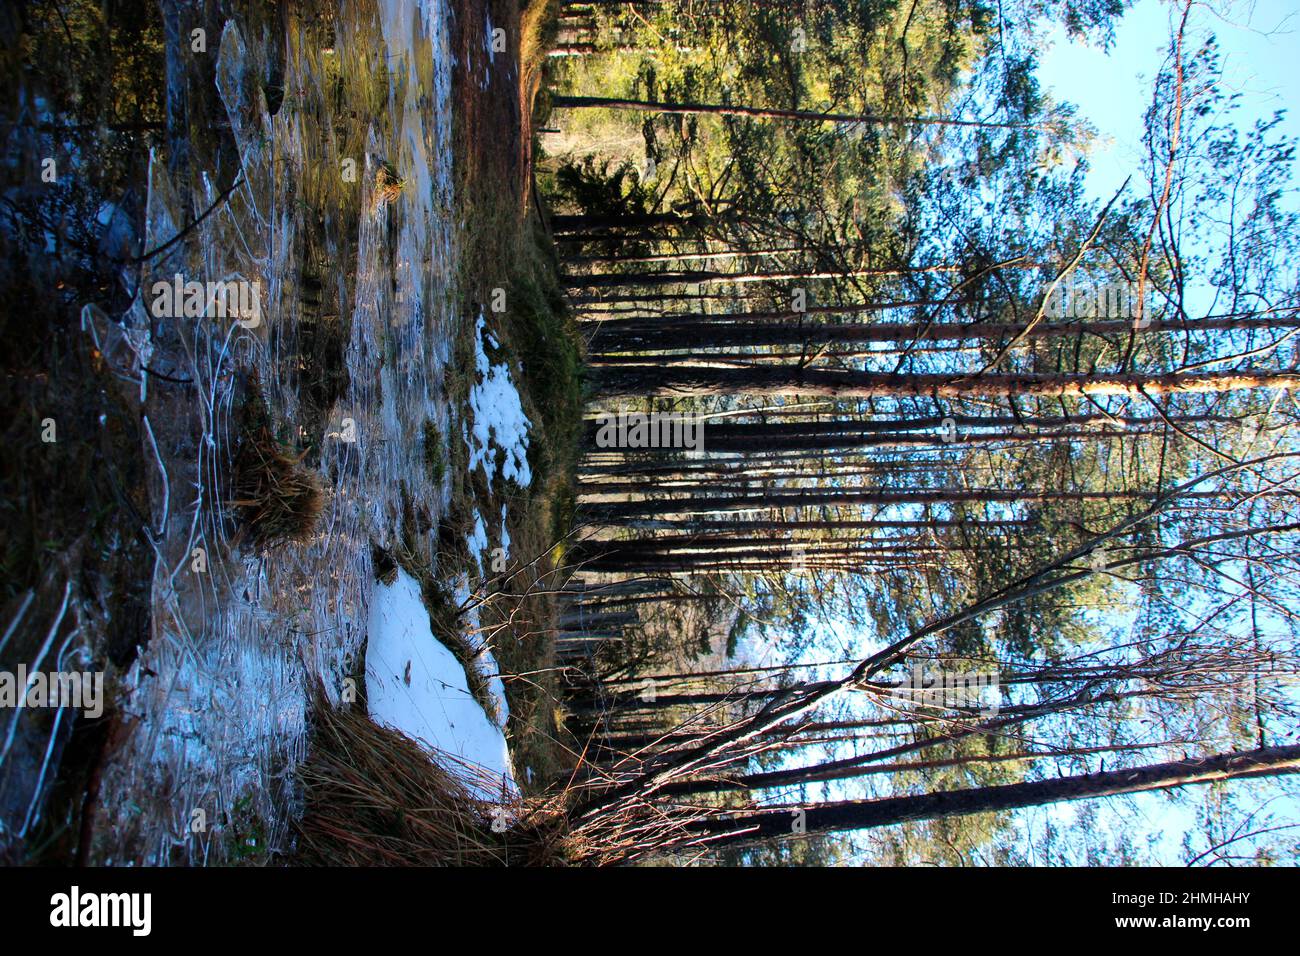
(755, 112)
(854, 497)
(645, 336)
(836, 383)
(586, 223)
(866, 814)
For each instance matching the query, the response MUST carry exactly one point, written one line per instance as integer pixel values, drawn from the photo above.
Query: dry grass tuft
(376, 798)
(385, 565)
(388, 185)
(278, 499)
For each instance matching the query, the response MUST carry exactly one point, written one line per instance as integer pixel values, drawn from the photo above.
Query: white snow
(498, 418)
(487, 664)
(477, 540)
(416, 686)
(487, 45)
(483, 658)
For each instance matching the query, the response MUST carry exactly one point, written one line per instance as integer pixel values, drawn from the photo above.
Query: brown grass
(278, 499)
(388, 185)
(376, 798)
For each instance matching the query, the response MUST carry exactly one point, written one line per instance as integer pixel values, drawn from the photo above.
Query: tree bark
(644, 336)
(867, 814)
(836, 383)
(754, 112)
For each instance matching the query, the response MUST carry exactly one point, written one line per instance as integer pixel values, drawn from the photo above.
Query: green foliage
(592, 187)
(543, 333)
(435, 462)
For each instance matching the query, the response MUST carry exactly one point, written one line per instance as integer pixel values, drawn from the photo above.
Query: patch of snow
(487, 46)
(498, 418)
(496, 687)
(416, 686)
(477, 540)
(461, 593)
(484, 661)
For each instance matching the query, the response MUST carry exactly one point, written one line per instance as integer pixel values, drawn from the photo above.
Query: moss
(435, 462)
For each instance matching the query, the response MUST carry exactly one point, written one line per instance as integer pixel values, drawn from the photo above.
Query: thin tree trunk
(867, 814)
(835, 383)
(754, 112)
(648, 336)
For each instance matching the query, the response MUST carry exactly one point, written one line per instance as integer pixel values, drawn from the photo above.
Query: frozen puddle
(416, 686)
(221, 694)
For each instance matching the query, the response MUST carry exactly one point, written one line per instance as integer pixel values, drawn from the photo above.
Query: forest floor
(507, 261)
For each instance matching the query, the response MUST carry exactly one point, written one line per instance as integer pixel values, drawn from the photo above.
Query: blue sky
(1259, 43)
